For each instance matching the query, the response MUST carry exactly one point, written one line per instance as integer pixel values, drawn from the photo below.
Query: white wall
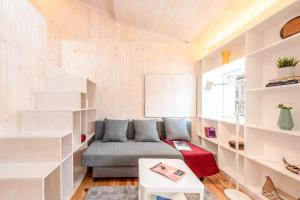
(69, 35)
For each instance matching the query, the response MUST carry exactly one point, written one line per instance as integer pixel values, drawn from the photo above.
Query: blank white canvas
(170, 95)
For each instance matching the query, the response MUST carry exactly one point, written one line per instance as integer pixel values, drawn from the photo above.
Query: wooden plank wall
(84, 41)
(23, 36)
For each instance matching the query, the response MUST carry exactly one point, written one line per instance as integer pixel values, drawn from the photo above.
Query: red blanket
(200, 161)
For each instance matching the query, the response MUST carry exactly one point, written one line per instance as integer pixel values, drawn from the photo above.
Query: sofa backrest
(100, 129)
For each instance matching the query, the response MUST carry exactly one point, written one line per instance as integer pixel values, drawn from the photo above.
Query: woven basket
(233, 142)
(292, 27)
(271, 192)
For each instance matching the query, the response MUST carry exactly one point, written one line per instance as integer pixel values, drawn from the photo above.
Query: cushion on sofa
(145, 131)
(107, 154)
(115, 130)
(176, 129)
(100, 129)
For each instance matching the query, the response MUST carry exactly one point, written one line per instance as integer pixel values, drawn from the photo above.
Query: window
(233, 93)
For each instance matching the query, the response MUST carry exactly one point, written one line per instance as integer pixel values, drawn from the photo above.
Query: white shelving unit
(265, 143)
(43, 160)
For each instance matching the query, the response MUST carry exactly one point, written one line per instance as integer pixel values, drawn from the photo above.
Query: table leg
(142, 193)
(202, 195)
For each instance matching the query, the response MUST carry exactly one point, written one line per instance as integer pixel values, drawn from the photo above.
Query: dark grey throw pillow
(115, 130)
(145, 131)
(176, 129)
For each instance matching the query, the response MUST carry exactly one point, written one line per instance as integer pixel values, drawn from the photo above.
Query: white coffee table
(151, 183)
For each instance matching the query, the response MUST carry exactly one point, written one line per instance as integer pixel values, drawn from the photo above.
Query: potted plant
(286, 66)
(285, 120)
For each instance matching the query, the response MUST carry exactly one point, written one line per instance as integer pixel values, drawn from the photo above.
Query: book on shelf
(283, 81)
(168, 171)
(182, 146)
(210, 132)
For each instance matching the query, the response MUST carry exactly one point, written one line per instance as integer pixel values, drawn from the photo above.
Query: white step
(59, 101)
(30, 181)
(35, 146)
(63, 84)
(46, 121)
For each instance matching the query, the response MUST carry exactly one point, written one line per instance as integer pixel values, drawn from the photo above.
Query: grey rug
(128, 193)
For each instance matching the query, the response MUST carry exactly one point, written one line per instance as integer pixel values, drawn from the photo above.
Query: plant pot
(285, 121)
(286, 72)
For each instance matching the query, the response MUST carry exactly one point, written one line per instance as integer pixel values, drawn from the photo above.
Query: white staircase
(43, 160)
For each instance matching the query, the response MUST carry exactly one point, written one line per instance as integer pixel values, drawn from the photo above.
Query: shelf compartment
(209, 123)
(79, 171)
(226, 146)
(276, 46)
(91, 94)
(83, 100)
(66, 146)
(210, 146)
(227, 131)
(256, 177)
(227, 163)
(76, 128)
(277, 166)
(214, 59)
(261, 107)
(67, 178)
(32, 180)
(52, 185)
(260, 70)
(91, 119)
(265, 149)
(265, 34)
(35, 146)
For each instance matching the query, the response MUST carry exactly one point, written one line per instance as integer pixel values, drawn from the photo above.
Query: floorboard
(212, 183)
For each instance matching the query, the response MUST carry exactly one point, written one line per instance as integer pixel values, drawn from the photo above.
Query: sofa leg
(96, 179)
(201, 179)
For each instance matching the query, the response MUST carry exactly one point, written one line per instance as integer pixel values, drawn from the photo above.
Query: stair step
(26, 170)
(59, 101)
(64, 84)
(46, 121)
(35, 146)
(30, 181)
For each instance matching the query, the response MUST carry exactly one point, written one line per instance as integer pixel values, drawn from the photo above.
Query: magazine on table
(182, 146)
(157, 197)
(170, 172)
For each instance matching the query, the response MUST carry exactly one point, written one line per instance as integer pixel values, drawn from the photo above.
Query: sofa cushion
(145, 131)
(100, 128)
(115, 130)
(125, 154)
(176, 129)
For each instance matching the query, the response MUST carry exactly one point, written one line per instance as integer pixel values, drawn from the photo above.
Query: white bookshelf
(265, 143)
(43, 160)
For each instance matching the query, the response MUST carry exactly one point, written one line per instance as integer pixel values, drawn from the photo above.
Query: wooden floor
(212, 184)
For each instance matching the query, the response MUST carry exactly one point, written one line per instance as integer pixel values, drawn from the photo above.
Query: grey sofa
(120, 159)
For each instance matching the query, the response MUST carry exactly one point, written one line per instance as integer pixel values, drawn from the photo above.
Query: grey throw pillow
(115, 130)
(176, 129)
(145, 131)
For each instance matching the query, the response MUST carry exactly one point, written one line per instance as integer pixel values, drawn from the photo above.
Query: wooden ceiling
(179, 19)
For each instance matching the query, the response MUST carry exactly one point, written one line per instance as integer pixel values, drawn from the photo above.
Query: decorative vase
(285, 120)
(83, 138)
(225, 56)
(286, 72)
